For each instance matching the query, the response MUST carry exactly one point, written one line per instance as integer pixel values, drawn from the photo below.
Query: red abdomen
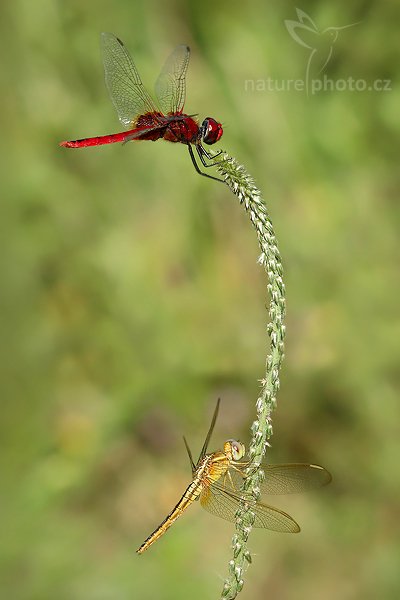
(174, 127)
(95, 141)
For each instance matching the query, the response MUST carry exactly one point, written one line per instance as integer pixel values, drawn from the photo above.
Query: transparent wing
(170, 86)
(224, 503)
(206, 441)
(288, 478)
(294, 477)
(140, 131)
(209, 433)
(123, 82)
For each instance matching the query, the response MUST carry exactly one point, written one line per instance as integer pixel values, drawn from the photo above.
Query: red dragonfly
(145, 119)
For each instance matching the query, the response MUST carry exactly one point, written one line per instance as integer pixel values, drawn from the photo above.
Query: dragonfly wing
(123, 82)
(170, 86)
(288, 478)
(140, 131)
(293, 478)
(224, 503)
(188, 450)
(209, 433)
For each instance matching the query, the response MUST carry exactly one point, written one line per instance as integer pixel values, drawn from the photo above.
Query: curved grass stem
(244, 188)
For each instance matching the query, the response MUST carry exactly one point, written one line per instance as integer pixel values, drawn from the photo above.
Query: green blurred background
(131, 299)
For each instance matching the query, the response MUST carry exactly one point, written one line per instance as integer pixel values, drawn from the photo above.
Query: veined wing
(206, 441)
(123, 82)
(224, 503)
(138, 132)
(294, 477)
(288, 478)
(170, 86)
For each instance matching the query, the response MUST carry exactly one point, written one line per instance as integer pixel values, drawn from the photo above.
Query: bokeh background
(131, 299)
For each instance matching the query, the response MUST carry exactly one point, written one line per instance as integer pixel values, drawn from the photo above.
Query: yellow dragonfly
(217, 478)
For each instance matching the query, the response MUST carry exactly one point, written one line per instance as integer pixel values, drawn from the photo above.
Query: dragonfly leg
(228, 476)
(196, 166)
(240, 466)
(252, 470)
(230, 480)
(202, 152)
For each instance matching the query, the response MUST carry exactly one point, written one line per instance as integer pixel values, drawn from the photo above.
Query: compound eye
(238, 449)
(212, 131)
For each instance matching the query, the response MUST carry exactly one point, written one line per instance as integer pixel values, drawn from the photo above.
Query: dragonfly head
(234, 450)
(210, 131)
